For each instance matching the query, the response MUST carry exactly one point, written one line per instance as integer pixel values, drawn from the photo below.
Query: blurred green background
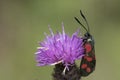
(23, 23)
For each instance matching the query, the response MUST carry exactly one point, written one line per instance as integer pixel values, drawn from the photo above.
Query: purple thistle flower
(60, 48)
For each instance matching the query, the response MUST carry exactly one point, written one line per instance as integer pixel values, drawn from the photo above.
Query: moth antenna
(85, 20)
(80, 23)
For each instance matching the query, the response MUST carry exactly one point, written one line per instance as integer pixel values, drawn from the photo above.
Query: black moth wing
(88, 61)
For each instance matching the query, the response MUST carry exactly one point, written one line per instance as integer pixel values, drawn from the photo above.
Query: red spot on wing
(84, 66)
(88, 69)
(89, 59)
(88, 47)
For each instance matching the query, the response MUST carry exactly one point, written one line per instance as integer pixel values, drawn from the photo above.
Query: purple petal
(60, 47)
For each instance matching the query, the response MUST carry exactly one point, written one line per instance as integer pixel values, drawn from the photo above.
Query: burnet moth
(88, 62)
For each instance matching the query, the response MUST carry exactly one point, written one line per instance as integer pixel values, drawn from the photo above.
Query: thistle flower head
(60, 48)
